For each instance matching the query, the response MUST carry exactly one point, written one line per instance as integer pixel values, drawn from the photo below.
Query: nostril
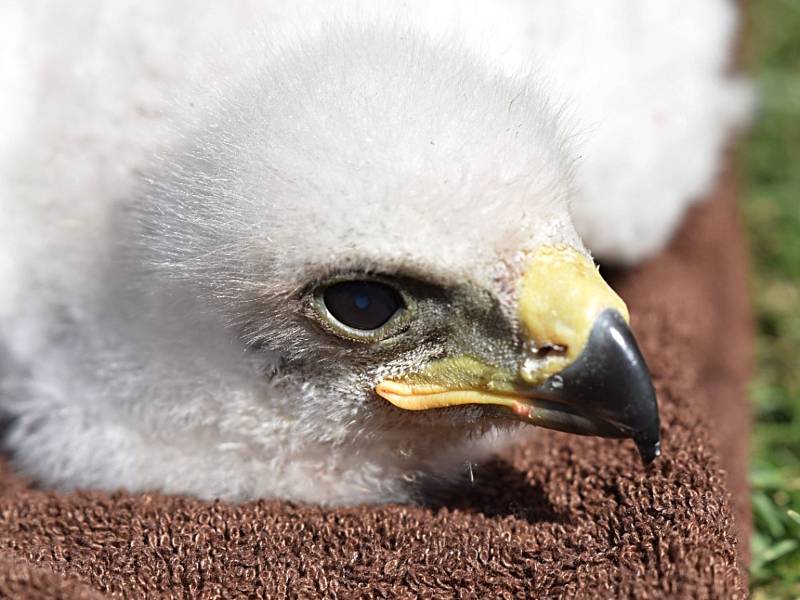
(547, 350)
(542, 360)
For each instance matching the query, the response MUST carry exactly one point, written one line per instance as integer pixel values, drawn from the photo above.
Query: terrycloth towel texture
(559, 516)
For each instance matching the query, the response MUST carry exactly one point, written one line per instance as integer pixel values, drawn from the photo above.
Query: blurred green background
(770, 165)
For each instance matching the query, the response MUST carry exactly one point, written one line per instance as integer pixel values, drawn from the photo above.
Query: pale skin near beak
(580, 369)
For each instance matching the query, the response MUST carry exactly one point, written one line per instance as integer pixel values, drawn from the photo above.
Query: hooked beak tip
(648, 450)
(610, 383)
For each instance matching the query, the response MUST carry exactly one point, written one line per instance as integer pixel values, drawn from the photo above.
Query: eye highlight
(362, 305)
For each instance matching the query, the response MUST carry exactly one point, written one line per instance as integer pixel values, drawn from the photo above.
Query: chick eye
(364, 305)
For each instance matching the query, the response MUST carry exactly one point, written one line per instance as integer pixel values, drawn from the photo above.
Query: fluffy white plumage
(171, 174)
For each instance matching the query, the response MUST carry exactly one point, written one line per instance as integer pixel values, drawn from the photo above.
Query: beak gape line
(596, 384)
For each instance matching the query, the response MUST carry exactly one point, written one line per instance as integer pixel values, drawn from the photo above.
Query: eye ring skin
(397, 323)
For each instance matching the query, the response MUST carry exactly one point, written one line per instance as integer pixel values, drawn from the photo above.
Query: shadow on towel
(495, 489)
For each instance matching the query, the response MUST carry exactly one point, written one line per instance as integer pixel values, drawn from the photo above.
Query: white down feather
(636, 105)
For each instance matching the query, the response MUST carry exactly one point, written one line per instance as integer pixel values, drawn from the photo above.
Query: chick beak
(580, 369)
(606, 391)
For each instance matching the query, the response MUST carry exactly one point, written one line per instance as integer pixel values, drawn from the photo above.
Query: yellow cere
(561, 295)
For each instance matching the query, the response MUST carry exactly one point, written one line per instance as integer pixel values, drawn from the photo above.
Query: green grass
(770, 161)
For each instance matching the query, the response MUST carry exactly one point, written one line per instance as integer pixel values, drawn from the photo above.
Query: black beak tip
(649, 450)
(611, 383)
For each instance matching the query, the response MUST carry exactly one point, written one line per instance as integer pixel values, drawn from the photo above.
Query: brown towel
(559, 516)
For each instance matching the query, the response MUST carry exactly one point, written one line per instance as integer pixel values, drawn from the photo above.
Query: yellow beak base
(561, 294)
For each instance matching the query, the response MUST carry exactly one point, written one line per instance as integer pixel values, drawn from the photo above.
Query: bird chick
(353, 267)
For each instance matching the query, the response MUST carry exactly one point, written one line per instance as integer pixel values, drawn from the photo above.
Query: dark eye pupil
(362, 305)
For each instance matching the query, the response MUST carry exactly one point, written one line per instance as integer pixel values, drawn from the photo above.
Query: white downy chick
(323, 254)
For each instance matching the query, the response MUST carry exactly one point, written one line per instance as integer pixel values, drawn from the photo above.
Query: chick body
(166, 182)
